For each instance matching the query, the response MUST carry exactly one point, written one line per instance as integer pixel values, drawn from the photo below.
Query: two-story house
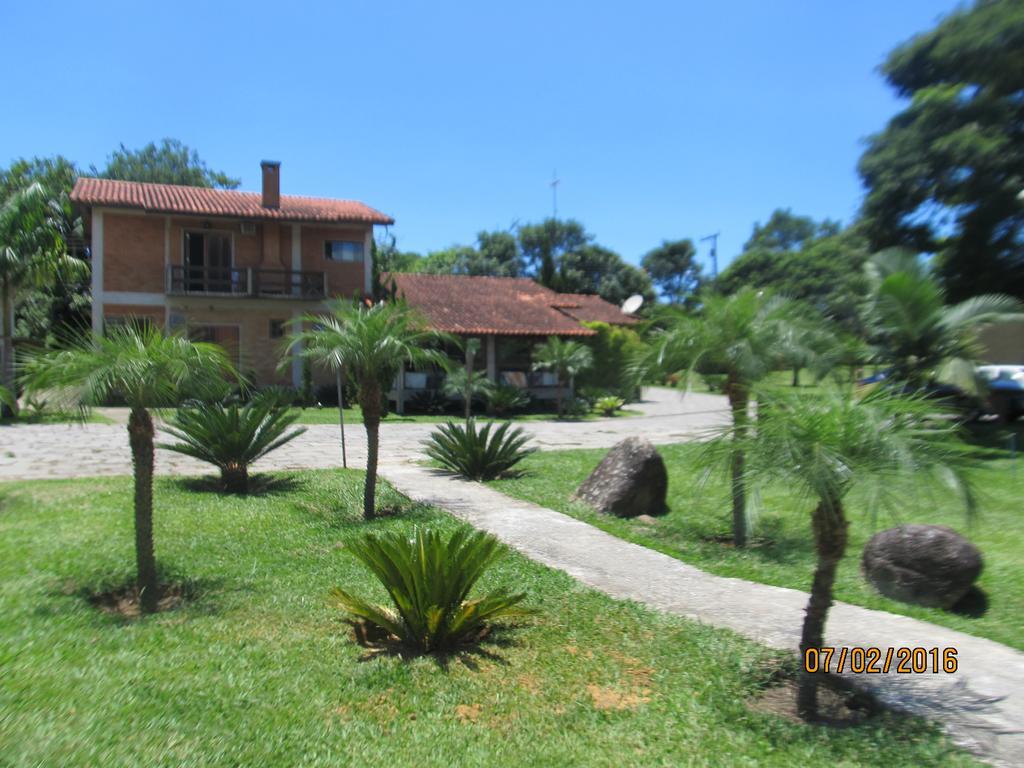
(224, 266)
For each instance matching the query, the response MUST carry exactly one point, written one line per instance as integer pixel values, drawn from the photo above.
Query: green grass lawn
(56, 417)
(782, 553)
(259, 669)
(329, 415)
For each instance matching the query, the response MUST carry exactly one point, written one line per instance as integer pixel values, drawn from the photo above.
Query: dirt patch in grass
(124, 600)
(838, 705)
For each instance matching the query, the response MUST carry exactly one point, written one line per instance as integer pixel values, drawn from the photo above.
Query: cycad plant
(609, 404)
(503, 399)
(429, 578)
(478, 454)
(822, 447)
(736, 336)
(232, 436)
(916, 332)
(566, 359)
(147, 369)
(372, 345)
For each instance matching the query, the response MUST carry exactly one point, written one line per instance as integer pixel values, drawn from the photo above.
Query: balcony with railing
(252, 282)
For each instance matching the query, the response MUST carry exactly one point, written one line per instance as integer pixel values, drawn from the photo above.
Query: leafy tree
(545, 245)
(825, 447)
(456, 260)
(615, 348)
(146, 369)
(818, 265)
(737, 336)
(169, 163)
(945, 174)
(595, 269)
(673, 267)
(914, 330)
(785, 231)
(566, 359)
(372, 345)
(499, 254)
(33, 253)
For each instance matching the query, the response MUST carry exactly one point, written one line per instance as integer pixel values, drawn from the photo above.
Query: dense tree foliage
(815, 262)
(172, 162)
(945, 174)
(673, 267)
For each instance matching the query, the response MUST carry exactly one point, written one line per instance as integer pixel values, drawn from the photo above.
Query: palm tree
(466, 385)
(33, 250)
(373, 345)
(566, 359)
(738, 336)
(822, 448)
(913, 329)
(147, 369)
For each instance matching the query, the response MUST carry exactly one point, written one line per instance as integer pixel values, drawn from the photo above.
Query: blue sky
(663, 120)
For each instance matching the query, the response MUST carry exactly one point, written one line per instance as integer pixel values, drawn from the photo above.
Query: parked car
(1005, 390)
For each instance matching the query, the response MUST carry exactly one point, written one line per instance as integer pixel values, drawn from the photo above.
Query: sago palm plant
(822, 447)
(232, 436)
(429, 578)
(372, 345)
(609, 404)
(566, 359)
(478, 454)
(147, 369)
(506, 398)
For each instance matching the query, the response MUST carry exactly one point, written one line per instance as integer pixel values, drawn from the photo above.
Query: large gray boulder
(928, 565)
(630, 480)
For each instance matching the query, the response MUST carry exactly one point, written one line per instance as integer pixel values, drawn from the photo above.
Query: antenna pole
(714, 252)
(555, 181)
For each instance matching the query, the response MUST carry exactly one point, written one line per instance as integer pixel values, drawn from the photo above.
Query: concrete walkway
(981, 705)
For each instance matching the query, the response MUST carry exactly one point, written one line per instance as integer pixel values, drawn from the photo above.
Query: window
(277, 329)
(343, 250)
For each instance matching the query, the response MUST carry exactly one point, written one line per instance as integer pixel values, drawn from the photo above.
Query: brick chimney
(271, 183)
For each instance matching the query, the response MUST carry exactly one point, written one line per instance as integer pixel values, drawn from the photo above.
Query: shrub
(609, 405)
(614, 348)
(507, 398)
(578, 407)
(431, 401)
(478, 454)
(232, 436)
(281, 396)
(428, 579)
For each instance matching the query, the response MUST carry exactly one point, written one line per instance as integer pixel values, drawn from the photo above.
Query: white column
(96, 249)
(368, 262)
(492, 358)
(296, 359)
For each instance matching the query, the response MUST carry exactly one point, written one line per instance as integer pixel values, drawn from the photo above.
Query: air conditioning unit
(248, 228)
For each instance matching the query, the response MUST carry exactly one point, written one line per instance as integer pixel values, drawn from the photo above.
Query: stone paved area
(35, 451)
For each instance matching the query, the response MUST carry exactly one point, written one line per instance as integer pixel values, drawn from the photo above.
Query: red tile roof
(504, 306)
(200, 201)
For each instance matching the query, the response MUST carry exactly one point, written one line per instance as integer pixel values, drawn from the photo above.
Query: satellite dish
(632, 304)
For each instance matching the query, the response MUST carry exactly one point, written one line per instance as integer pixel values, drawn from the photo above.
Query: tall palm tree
(822, 448)
(147, 369)
(914, 330)
(373, 345)
(566, 359)
(33, 250)
(739, 336)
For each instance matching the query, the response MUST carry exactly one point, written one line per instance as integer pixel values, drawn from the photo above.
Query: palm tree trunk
(370, 401)
(558, 395)
(341, 415)
(140, 436)
(796, 376)
(738, 401)
(830, 532)
(468, 394)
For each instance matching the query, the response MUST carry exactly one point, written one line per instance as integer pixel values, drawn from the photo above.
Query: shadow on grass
(379, 643)
(995, 441)
(118, 597)
(259, 485)
(972, 605)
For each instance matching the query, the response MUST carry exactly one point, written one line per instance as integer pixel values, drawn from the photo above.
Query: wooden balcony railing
(245, 281)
